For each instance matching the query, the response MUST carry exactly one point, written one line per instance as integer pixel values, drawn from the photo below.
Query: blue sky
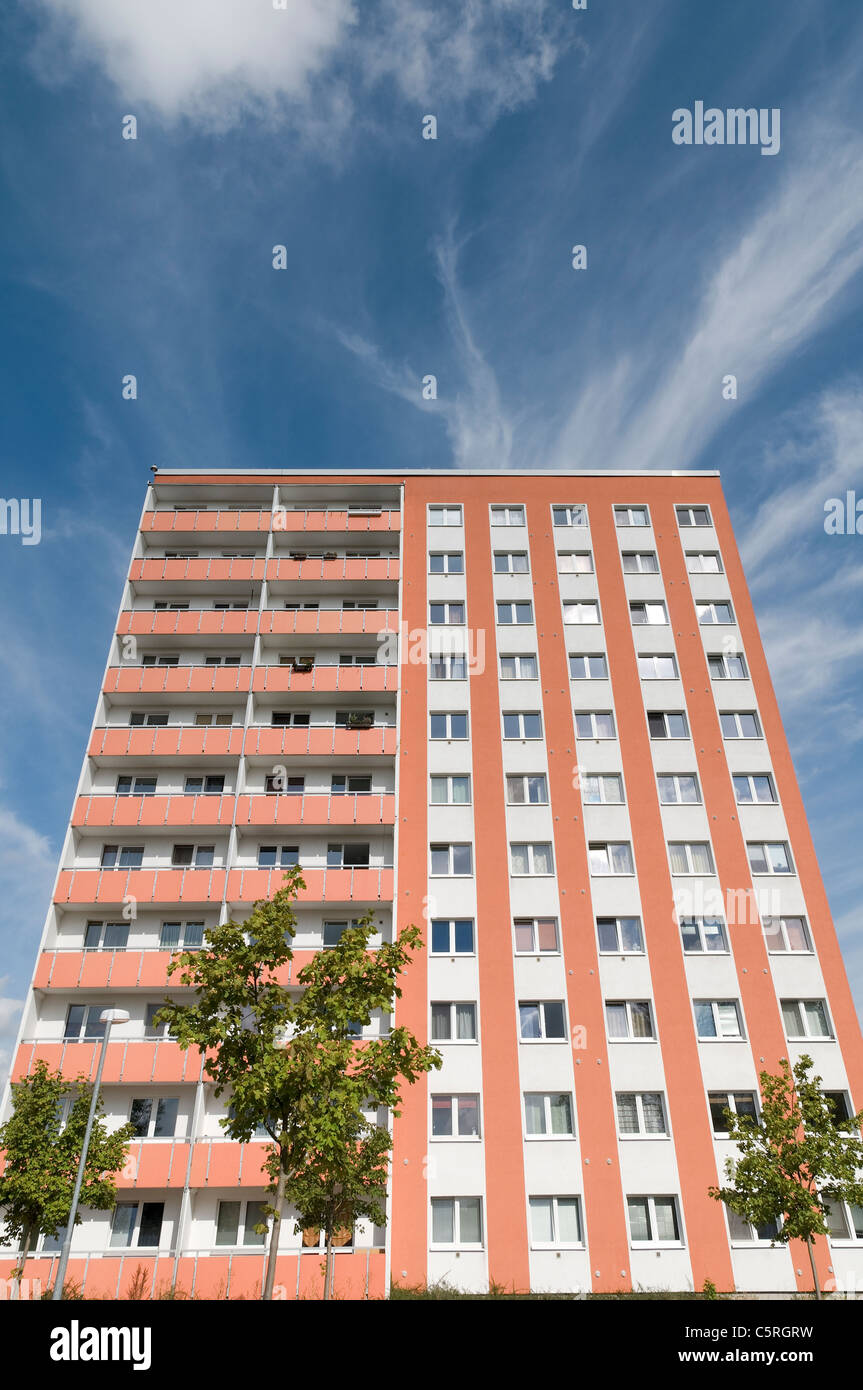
(302, 127)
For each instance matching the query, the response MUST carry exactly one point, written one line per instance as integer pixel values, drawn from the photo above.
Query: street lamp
(107, 1016)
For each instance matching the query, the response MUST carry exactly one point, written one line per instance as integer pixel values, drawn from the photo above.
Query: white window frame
(624, 513)
(448, 661)
(518, 658)
(531, 846)
(770, 871)
(507, 515)
(449, 736)
(602, 778)
(533, 923)
(574, 610)
(731, 1104)
(807, 1036)
(654, 657)
(450, 846)
(735, 715)
(750, 778)
(576, 513)
(446, 556)
(443, 514)
(650, 607)
(453, 1039)
(509, 556)
(451, 949)
(587, 657)
(706, 611)
(454, 1097)
(641, 1132)
(652, 1243)
(698, 921)
(703, 555)
(448, 778)
(592, 716)
(541, 1005)
(723, 658)
(629, 1036)
(543, 1136)
(782, 932)
(519, 714)
(676, 778)
(640, 556)
(606, 847)
(689, 510)
(513, 606)
(525, 778)
(687, 847)
(457, 1243)
(575, 556)
(620, 949)
(555, 1243)
(715, 1006)
(664, 715)
(448, 605)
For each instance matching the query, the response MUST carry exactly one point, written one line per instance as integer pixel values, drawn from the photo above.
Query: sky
(300, 124)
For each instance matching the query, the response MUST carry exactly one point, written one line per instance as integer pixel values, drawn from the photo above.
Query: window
(769, 858)
(353, 854)
(136, 786)
(507, 516)
(653, 1220)
(703, 562)
(742, 724)
(511, 562)
(522, 667)
(291, 719)
(345, 659)
(631, 516)
(170, 605)
(738, 1102)
(452, 936)
(106, 936)
(620, 935)
(628, 1019)
(204, 721)
(276, 783)
(569, 516)
(455, 1117)
(717, 1018)
(692, 516)
(193, 856)
(531, 859)
(844, 1221)
(667, 725)
(510, 614)
(542, 1020)
(332, 932)
(159, 659)
(740, 1230)
(278, 856)
(236, 1216)
(453, 861)
(154, 1118)
(726, 668)
(204, 786)
(444, 516)
(753, 788)
(805, 1018)
(574, 562)
(82, 1022)
(712, 613)
(657, 666)
(838, 1103)
(449, 667)
(293, 606)
(594, 724)
(141, 719)
(786, 934)
(224, 605)
(601, 788)
(152, 1029)
(581, 613)
(555, 1221)
(548, 1115)
(522, 724)
(125, 1220)
(678, 789)
(640, 1113)
(186, 936)
(588, 666)
(342, 783)
(535, 936)
(446, 562)
(702, 935)
(450, 790)
(446, 614)
(222, 660)
(453, 1022)
(456, 1221)
(447, 725)
(122, 856)
(690, 857)
(640, 562)
(648, 614)
(527, 789)
(610, 858)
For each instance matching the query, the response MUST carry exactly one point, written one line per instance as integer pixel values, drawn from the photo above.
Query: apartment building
(531, 714)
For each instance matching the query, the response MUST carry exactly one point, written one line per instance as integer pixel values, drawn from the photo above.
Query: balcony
(322, 885)
(322, 521)
(207, 568)
(143, 1061)
(166, 741)
(78, 969)
(175, 680)
(329, 620)
(113, 887)
(203, 812)
(320, 740)
(340, 568)
(326, 678)
(366, 809)
(185, 622)
(222, 520)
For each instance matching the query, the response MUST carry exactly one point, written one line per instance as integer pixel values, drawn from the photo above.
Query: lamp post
(108, 1016)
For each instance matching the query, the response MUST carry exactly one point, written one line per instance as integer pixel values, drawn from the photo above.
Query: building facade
(531, 714)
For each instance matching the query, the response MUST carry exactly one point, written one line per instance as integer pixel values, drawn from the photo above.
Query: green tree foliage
(41, 1157)
(794, 1162)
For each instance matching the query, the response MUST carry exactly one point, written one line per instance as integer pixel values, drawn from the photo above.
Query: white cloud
(10, 1012)
(216, 61)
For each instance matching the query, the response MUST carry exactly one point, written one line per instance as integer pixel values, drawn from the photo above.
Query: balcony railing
(144, 1061)
(264, 808)
(320, 740)
(329, 620)
(185, 622)
(322, 885)
(341, 567)
(317, 808)
(176, 811)
(281, 522)
(326, 678)
(167, 740)
(115, 886)
(205, 519)
(190, 678)
(75, 968)
(205, 567)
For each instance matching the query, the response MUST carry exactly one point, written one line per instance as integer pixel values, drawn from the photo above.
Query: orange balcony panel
(166, 742)
(377, 808)
(212, 1276)
(329, 620)
(95, 969)
(158, 680)
(322, 885)
(326, 678)
(331, 519)
(187, 622)
(227, 520)
(126, 969)
(153, 1165)
(224, 1169)
(29, 1053)
(153, 969)
(331, 571)
(214, 567)
(111, 886)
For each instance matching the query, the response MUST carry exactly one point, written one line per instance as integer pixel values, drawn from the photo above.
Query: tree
(42, 1156)
(795, 1161)
(240, 1016)
(339, 1157)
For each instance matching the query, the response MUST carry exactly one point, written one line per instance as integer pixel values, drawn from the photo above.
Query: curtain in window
(541, 1224)
(616, 1018)
(666, 1218)
(470, 1222)
(227, 1223)
(679, 860)
(568, 1223)
(654, 1120)
(561, 1114)
(542, 863)
(529, 1020)
(639, 1218)
(465, 1019)
(641, 1022)
(627, 1114)
(443, 1221)
(534, 1111)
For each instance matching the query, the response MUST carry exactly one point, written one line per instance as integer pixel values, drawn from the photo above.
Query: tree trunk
(23, 1256)
(815, 1282)
(328, 1267)
(273, 1251)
